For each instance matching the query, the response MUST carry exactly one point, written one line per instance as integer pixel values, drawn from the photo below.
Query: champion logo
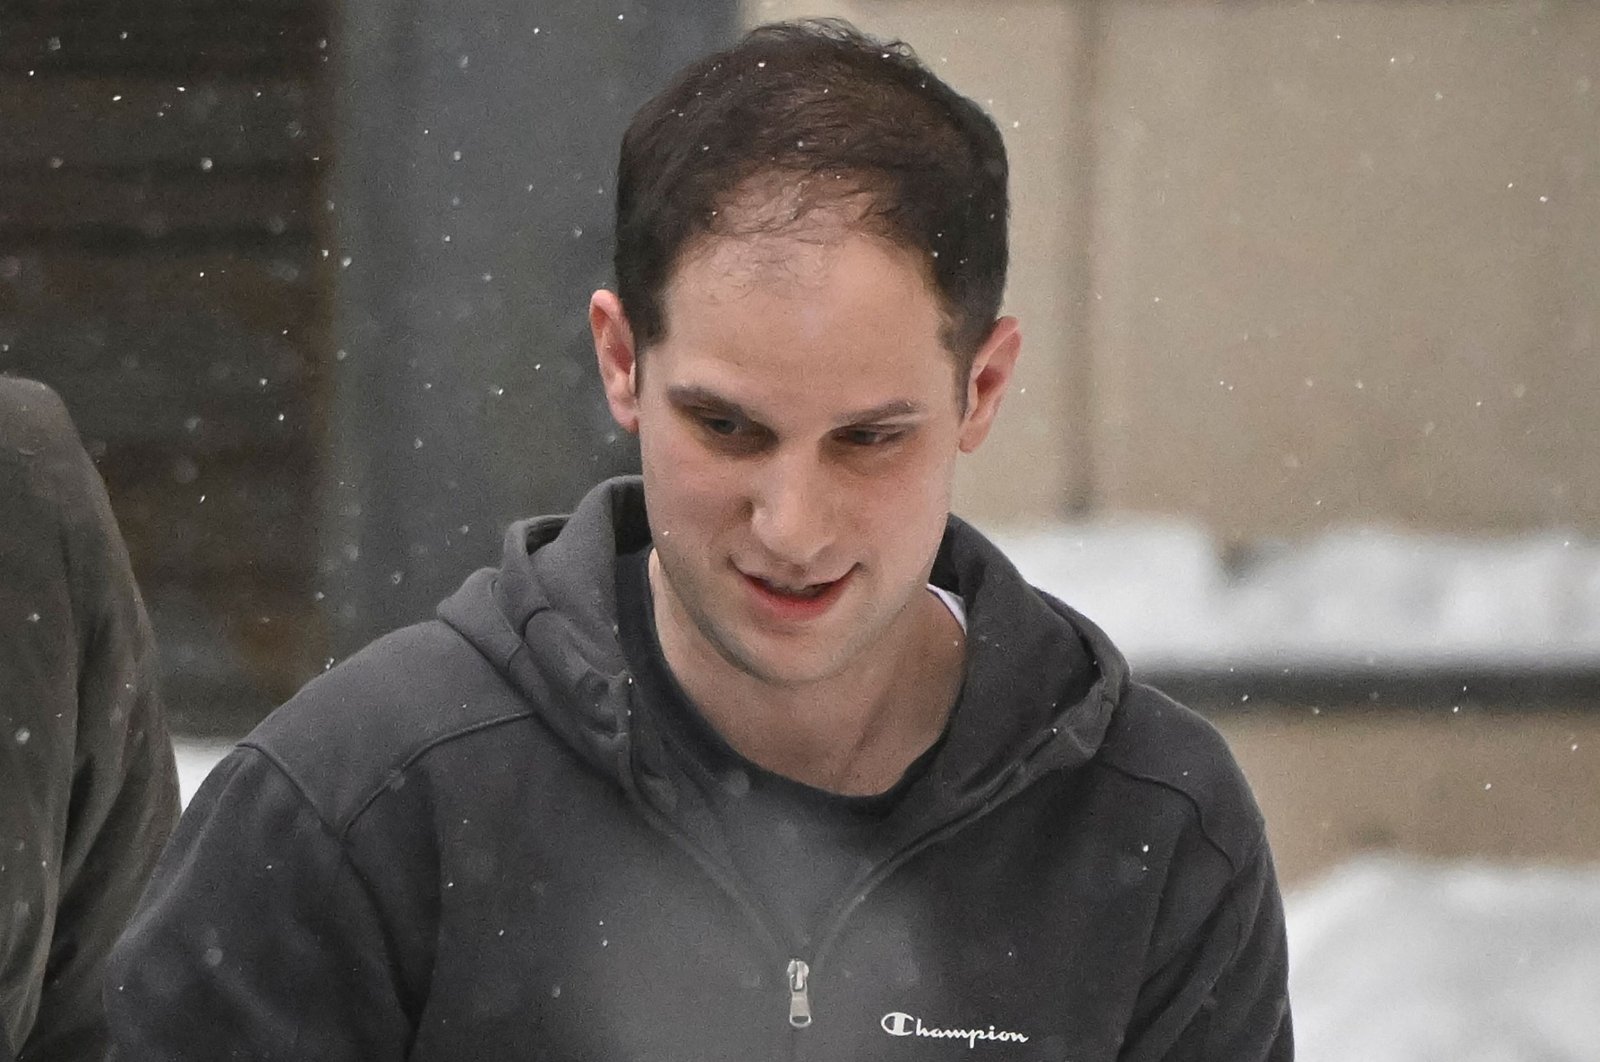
(898, 1023)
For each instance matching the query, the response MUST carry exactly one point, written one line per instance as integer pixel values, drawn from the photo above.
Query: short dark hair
(846, 117)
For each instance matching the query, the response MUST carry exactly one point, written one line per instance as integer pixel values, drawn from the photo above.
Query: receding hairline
(824, 104)
(777, 207)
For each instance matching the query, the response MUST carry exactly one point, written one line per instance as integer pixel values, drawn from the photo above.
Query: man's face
(799, 425)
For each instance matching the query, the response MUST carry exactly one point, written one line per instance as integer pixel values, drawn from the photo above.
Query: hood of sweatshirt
(1041, 681)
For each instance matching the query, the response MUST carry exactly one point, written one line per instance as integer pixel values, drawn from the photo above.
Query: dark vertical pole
(476, 145)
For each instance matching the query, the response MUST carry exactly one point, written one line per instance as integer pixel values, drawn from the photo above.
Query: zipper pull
(799, 994)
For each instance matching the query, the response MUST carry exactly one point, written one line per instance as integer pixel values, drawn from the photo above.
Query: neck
(854, 732)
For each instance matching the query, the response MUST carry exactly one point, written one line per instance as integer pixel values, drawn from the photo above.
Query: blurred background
(1308, 418)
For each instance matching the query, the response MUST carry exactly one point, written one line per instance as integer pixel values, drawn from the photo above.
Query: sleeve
(257, 938)
(124, 805)
(1223, 995)
(121, 796)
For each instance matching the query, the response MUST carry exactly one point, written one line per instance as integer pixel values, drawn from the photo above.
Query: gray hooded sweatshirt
(472, 841)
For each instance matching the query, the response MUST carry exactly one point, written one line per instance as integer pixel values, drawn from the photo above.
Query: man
(763, 755)
(88, 790)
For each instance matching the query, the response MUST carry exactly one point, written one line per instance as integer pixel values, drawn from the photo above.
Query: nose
(793, 512)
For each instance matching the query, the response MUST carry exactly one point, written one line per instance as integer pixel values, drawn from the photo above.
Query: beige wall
(1349, 260)
(1509, 786)
(1287, 266)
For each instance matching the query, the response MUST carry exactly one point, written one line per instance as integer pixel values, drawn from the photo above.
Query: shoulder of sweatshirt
(56, 518)
(37, 438)
(1155, 741)
(32, 416)
(360, 727)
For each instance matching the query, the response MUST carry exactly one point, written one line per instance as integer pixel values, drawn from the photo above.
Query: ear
(988, 380)
(614, 350)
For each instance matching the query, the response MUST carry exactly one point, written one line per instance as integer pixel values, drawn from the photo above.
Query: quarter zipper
(733, 888)
(799, 993)
(673, 832)
(873, 880)
(798, 971)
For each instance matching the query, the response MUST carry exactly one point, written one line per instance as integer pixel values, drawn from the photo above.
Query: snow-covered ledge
(1358, 600)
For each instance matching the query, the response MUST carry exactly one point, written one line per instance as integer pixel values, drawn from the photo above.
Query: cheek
(907, 508)
(689, 493)
(923, 483)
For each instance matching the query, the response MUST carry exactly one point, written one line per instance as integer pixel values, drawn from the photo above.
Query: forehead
(781, 226)
(823, 306)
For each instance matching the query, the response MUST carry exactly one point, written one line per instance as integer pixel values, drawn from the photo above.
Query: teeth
(797, 591)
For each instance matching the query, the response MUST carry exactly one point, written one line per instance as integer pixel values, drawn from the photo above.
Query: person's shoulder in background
(36, 433)
(88, 790)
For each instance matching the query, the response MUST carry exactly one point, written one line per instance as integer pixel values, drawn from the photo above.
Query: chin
(781, 667)
(776, 667)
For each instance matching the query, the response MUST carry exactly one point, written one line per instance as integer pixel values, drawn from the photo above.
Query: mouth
(796, 600)
(801, 592)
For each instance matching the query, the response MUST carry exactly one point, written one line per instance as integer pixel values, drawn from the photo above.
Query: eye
(722, 426)
(870, 437)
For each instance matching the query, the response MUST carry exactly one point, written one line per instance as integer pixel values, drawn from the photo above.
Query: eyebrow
(692, 395)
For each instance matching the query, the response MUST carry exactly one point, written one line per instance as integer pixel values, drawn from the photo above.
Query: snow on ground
(195, 760)
(1396, 960)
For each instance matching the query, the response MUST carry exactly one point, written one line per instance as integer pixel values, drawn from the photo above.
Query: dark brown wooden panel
(241, 516)
(110, 121)
(192, 43)
(124, 11)
(161, 171)
(208, 351)
(77, 205)
(231, 549)
(140, 400)
(265, 290)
